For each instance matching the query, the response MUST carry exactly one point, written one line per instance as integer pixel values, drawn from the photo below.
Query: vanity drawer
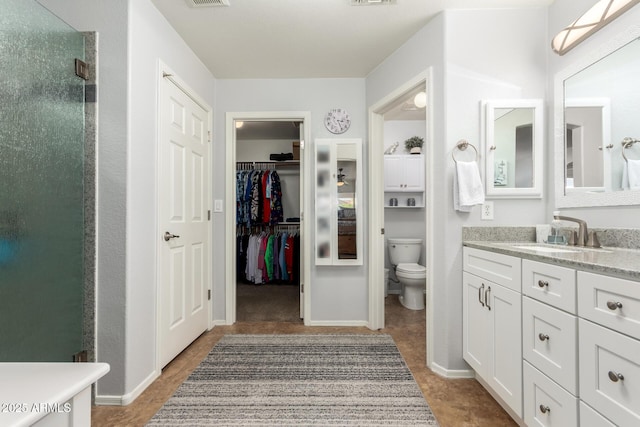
(545, 402)
(549, 339)
(550, 284)
(611, 302)
(604, 356)
(498, 268)
(590, 418)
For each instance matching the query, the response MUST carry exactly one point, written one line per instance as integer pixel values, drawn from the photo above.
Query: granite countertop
(618, 262)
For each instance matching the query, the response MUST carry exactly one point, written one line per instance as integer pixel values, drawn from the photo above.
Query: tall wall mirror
(596, 123)
(338, 199)
(514, 130)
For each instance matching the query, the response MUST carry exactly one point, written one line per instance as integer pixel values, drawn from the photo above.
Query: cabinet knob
(615, 376)
(543, 283)
(614, 305)
(544, 409)
(543, 337)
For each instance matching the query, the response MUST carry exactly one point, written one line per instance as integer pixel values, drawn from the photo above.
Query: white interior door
(183, 228)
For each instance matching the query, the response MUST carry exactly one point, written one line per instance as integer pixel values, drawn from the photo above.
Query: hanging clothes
(258, 198)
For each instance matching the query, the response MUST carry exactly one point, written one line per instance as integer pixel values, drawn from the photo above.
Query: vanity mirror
(338, 200)
(596, 108)
(514, 132)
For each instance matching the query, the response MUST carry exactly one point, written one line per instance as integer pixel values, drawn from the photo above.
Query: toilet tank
(404, 250)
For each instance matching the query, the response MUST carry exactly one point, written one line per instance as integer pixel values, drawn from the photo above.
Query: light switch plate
(217, 205)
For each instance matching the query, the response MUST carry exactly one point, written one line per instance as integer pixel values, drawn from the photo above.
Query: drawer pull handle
(544, 409)
(543, 337)
(486, 297)
(480, 289)
(615, 377)
(543, 283)
(614, 305)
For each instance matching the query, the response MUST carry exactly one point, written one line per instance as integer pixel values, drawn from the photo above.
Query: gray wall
(338, 294)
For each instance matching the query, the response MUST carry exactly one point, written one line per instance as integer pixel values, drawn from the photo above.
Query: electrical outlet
(487, 210)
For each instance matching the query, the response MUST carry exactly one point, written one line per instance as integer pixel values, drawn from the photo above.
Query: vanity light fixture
(595, 18)
(239, 124)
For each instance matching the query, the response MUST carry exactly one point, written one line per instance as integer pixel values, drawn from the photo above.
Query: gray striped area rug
(280, 380)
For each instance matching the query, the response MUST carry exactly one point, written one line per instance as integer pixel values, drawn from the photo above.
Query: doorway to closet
(266, 261)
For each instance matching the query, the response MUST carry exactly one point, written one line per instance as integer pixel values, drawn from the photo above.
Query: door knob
(168, 236)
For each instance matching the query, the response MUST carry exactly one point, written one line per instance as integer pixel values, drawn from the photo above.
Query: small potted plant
(414, 144)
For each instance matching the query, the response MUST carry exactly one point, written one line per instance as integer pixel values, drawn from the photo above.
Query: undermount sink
(560, 249)
(547, 249)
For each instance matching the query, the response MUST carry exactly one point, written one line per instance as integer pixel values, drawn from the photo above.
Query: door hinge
(302, 144)
(209, 215)
(209, 137)
(209, 294)
(82, 69)
(382, 231)
(302, 287)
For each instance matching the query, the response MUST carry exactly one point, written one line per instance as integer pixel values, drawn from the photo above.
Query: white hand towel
(631, 175)
(467, 186)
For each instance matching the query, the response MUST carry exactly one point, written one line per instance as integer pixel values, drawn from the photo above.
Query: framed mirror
(514, 130)
(338, 199)
(596, 107)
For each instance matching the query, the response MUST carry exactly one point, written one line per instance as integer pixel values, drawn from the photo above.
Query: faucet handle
(593, 241)
(573, 238)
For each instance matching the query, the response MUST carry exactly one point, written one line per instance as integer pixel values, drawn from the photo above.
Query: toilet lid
(410, 268)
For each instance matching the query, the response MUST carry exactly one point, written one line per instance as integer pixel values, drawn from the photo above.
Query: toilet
(404, 255)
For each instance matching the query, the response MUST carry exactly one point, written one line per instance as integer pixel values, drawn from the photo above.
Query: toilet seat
(411, 270)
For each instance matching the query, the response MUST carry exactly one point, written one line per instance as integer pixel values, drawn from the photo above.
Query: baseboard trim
(452, 373)
(338, 323)
(124, 400)
(219, 322)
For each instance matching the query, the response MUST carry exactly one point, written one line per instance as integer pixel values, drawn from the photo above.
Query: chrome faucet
(583, 234)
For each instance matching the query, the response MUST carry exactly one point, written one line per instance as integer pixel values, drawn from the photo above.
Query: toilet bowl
(412, 277)
(404, 255)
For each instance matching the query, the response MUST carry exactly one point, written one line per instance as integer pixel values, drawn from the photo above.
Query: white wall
(562, 13)
(132, 37)
(338, 294)
(485, 54)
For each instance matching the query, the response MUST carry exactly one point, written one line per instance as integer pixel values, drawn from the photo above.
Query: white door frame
(164, 72)
(230, 202)
(376, 204)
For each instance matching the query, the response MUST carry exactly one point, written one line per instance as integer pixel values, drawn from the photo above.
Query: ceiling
(305, 38)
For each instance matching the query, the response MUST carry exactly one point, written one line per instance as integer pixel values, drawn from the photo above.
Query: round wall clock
(337, 120)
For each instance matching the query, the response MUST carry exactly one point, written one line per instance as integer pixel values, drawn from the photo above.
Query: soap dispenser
(555, 236)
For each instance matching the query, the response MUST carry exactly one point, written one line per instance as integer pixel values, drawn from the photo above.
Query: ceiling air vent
(372, 2)
(207, 3)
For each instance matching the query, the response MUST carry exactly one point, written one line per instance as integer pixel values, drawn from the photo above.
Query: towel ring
(462, 145)
(627, 143)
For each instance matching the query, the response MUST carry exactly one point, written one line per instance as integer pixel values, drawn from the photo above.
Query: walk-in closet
(268, 206)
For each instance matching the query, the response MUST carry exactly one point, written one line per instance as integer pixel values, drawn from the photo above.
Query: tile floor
(456, 403)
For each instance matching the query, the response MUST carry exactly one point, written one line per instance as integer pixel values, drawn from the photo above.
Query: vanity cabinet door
(551, 284)
(610, 373)
(550, 341)
(475, 345)
(492, 334)
(610, 301)
(546, 403)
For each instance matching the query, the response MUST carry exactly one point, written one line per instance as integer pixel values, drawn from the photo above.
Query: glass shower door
(41, 185)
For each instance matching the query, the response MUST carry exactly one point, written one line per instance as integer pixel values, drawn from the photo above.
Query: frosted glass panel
(41, 185)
